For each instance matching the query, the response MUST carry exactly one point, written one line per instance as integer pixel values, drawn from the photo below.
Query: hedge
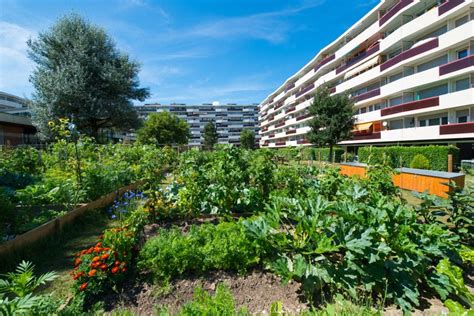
(310, 153)
(402, 156)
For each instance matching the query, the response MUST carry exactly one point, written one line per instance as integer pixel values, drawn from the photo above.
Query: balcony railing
(280, 124)
(332, 90)
(271, 135)
(456, 65)
(324, 62)
(279, 105)
(410, 53)
(303, 141)
(288, 110)
(367, 95)
(280, 143)
(358, 58)
(459, 128)
(394, 10)
(304, 90)
(293, 131)
(289, 87)
(302, 117)
(410, 106)
(367, 137)
(448, 5)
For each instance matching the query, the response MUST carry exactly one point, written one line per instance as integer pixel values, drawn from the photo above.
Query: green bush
(402, 156)
(206, 247)
(310, 153)
(420, 162)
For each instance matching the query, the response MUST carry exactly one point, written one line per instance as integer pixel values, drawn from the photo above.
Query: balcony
(304, 90)
(411, 106)
(324, 62)
(367, 137)
(332, 90)
(358, 58)
(289, 110)
(456, 65)
(302, 117)
(393, 11)
(279, 105)
(280, 143)
(291, 132)
(289, 87)
(271, 135)
(448, 5)
(410, 53)
(303, 141)
(459, 128)
(367, 95)
(280, 124)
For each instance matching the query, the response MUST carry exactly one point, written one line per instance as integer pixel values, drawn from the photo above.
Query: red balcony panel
(367, 95)
(448, 5)
(304, 90)
(293, 131)
(332, 90)
(367, 137)
(289, 87)
(393, 11)
(280, 124)
(279, 105)
(303, 141)
(459, 128)
(280, 143)
(324, 62)
(265, 145)
(456, 65)
(271, 135)
(288, 110)
(302, 117)
(410, 53)
(264, 129)
(410, 106)
(358, 58)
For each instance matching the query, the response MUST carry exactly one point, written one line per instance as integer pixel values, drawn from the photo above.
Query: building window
(462, 84)
(462, 116)
(433, 63)
(432, 92)
(461, 21)
(462, 53)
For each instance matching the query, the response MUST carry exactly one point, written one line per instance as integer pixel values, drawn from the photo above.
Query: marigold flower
(103, 267)
(115, 270)
(77, 261)
(92, 272)
(99, 244)
(124, 269)
(105, 256)
(83, 286)
(97, 258)
(117, 263)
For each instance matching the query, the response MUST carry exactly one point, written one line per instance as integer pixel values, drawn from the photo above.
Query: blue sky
(191, 51)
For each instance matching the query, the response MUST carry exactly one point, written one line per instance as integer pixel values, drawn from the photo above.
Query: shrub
(207, 247)
(420, 162)
(401, 156)
(310, 153)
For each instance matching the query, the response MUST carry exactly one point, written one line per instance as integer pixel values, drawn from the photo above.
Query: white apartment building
(13, 105)
(230, 119)
(408, 65)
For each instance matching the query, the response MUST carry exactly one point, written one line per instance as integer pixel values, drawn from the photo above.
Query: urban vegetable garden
(230, 231)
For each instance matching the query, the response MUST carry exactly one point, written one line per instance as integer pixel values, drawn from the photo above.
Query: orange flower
(95, 264)
(124, 269)
(99, 244)
(115, 270)
(97, 258)
(117, 263)
(92, 272)
(103, 267)
(83, 286)
(77, 261)
(105, 256)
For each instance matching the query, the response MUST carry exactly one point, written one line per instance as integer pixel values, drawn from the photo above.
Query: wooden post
(450, 163)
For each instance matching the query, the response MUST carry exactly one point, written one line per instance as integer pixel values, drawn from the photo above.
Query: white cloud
(15, 66)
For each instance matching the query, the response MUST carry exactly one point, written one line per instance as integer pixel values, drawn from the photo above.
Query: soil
(255, 291)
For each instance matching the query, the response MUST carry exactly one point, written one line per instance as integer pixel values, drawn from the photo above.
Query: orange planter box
(434, 182)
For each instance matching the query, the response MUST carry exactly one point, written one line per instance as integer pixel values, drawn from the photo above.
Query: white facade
(14, 105)
(230, 119)
(408, 64)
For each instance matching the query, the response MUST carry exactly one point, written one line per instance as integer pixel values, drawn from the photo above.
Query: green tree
(80, 74)
(333, 119)
(164, 128)
(247, 139)
(210, 136)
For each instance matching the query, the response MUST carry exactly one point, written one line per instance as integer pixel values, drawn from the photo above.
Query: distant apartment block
(409, 67)
(15, 123)
(230, 119)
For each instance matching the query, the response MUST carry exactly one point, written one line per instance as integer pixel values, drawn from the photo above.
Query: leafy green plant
(420, 162)
(207, 247)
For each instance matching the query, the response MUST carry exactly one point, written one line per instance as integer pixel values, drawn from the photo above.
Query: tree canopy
(333, 119)
(80, 74)
(247, 139)
(164, 128)
(210, 136)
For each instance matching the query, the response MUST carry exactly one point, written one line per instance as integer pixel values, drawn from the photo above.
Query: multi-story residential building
(409, 67)
(15, 123)
(230, 119)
